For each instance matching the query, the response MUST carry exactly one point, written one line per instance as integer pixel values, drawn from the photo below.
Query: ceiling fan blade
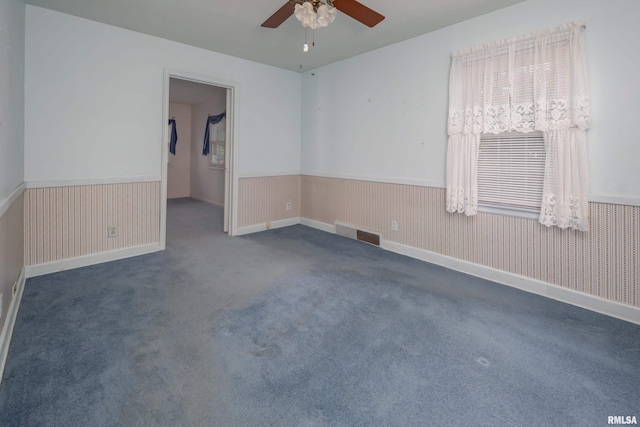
(280, 16)
(359, 12)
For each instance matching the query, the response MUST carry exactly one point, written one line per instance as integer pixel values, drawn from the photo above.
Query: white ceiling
(233, 26)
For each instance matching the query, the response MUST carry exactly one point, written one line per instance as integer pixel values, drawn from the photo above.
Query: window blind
(511, 170)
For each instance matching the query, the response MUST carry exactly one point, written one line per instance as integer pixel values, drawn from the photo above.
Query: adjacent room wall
(179, 167)
(207, 182)
(12, 27)
(374, 150)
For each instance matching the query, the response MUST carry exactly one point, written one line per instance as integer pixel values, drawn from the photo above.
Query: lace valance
(534, 82)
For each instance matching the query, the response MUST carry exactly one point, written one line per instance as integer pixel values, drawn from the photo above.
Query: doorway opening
(200, 164)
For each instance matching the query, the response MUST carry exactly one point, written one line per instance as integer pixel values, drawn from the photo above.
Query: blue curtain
(212, 120)
(174, 137)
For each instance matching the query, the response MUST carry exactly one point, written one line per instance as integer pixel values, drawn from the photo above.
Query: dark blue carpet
(295, 327)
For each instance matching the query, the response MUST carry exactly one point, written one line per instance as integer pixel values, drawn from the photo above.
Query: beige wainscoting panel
(264, 199)
(318, 200)
(602, 262)
(67, 222)
(360, 202)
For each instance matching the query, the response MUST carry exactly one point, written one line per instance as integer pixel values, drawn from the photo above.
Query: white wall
(12, 16)
(207, 183)
(93, 96)
(94, 100)
(382, 115)
(179, 168)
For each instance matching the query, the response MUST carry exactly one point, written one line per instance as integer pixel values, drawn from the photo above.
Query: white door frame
(232, 125)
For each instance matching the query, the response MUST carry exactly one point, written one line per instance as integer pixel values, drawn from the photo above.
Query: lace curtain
(534, 82)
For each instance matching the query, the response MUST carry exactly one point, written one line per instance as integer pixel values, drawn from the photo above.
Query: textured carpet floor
(296, 327)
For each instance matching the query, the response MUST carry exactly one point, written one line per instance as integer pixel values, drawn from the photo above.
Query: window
(215, 140)
(511, 172)
(536, 82)
(217, 154)
(218, 144)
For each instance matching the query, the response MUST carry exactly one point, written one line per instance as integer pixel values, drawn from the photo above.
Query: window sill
(518, 213)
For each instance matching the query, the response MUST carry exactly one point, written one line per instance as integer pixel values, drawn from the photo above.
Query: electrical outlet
(288, 206)
(394, 225)
(112, 231)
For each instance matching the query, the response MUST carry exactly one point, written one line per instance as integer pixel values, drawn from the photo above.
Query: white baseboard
(569, 296)
(10, 322)
(85, 260)
(263, 227)
(322, 226)
(211, 202)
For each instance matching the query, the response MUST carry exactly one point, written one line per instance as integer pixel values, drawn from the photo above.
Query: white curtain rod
(505, 42)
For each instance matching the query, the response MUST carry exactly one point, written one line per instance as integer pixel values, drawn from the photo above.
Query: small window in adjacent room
(218, 143)
(511, 173)
(217, 153)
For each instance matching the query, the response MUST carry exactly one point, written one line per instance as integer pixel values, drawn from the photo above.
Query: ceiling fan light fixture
(314, 14)
(325, 16)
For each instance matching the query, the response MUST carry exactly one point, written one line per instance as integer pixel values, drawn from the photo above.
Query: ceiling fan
(356, 10)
